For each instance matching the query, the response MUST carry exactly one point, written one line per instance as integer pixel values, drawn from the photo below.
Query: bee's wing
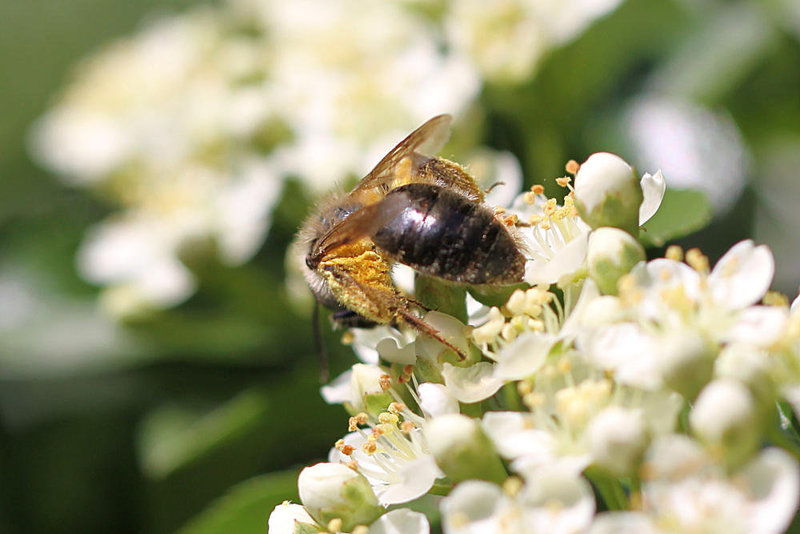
(426, 140)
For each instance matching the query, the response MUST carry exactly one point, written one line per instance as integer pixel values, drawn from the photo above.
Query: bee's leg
(489, 189)
(387, 305)
(425, 328)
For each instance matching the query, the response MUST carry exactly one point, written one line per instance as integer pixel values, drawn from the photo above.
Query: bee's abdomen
(441, 233)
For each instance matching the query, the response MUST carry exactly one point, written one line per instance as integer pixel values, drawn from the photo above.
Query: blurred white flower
(348, 101)
(696, 148)
(507, 39)
(685, 490)
(552, 500)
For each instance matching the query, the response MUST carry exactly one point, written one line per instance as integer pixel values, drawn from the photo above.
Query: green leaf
(174, 436)
(682, 212)
(245, 508)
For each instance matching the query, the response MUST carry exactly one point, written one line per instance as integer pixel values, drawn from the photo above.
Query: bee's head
(327, 214)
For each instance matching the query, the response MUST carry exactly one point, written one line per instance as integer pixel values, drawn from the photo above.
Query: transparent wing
(425, 140)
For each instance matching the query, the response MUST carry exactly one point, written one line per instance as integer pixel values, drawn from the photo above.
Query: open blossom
(685, 490)
(556, 236)
(551, 500)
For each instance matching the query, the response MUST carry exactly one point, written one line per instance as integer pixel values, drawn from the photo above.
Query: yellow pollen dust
(550, 207)
(697, 260)
(348, 338)
(511, 220)
(335, 525)
(572, 167)
(524, 387)
(512, 485)
(674, 253)
(397, 407)
(774, 298)
(533, 400)
(385, 382)
(387, 418)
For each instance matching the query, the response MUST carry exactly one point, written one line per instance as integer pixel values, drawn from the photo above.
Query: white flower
(557, 237)
(685, 491)
(393, 454)
(348, 101)
(552, 500)
(506, 39)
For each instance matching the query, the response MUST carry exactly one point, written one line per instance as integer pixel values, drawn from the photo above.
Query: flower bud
(367, 391)
(462, 450)
(334, 491)
(725, 416)
(617, 438)
(608, 193)
(288, 518)
(687, 362)
(612, 253)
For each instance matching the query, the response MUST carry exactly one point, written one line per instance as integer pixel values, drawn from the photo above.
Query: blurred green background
(196, 418)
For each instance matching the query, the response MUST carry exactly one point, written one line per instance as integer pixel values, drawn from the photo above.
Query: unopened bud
(288, 518)
(608, 193)
(618, 438)
(612, 253)
(725, 416)
(462, 450)
(332, 491)
(687, 362)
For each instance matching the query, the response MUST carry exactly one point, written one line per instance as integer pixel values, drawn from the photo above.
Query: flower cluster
(609, 394)
(190, 127)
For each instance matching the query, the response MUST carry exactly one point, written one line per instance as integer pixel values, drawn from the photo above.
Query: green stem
(609, 488)
(440, 489)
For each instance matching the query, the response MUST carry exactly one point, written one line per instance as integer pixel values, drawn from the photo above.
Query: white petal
(623, 523)
(415, 479)
(436, 399)
(391, 351)
(285, 516)
(474, 507)
(401, 521)
(743, 275)
(338, 391)
(514, 436)
(524, 356)
(561, 266)
(759, 325)
(568, 491)
(471, 384)
(653, 188)
(774, 479)
(629, 351)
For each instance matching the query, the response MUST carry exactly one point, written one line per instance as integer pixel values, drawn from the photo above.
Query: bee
(415, 209)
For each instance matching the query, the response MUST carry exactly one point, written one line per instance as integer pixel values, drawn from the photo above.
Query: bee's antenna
(319, 344)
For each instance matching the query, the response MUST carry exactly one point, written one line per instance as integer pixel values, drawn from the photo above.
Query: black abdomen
(444, 234)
